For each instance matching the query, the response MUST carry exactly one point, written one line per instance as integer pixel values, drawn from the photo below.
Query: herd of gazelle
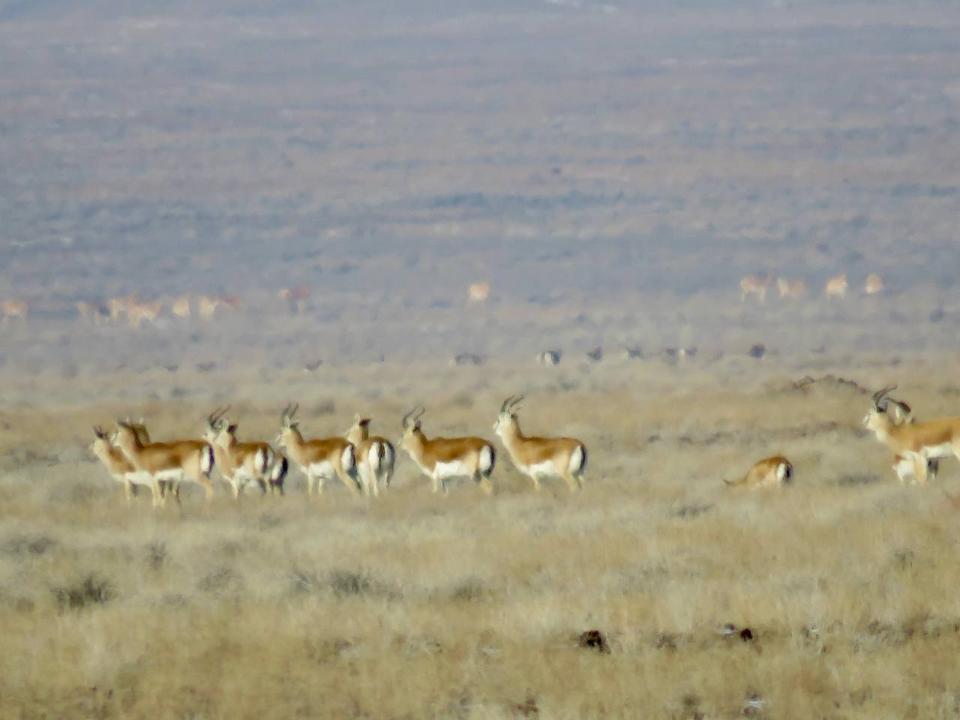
(362, 462)
(835, 288)
(365, 463)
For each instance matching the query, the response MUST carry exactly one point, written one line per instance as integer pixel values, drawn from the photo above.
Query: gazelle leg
(127, 491)
(920, 468)
(436, 483)
(572, 482)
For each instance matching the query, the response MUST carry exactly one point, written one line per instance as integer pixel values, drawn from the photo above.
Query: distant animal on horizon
(14, 310)
(92, 312)
(478, 292)
(873, 284)
(207, 305)
(296, 298)
(791, 289)
(140, 312)
(836, 287)
(755, 285)
(769, 472)
(180, 307)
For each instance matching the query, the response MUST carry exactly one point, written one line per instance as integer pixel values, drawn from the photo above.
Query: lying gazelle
(375, 456)
(319, 459)
(916, 446)
(172, 462)
(116, 463)
(241, 463)
(538, 457)
(442, 459)
(775, 470)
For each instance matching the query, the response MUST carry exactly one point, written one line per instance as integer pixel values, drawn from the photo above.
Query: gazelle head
(876, 418)
(216, 422)
(507, 419)
(360, 430)
(411, 426)
(289, 427)
(101, 443)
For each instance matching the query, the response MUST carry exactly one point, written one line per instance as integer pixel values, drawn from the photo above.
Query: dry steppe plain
(469, 606)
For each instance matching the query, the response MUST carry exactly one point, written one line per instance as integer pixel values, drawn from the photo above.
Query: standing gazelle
(538, 457)
(375, 456)
(319, 459)
(444, 458)
(116, 463)
(170, 461)
(913, 442)
(240, 463)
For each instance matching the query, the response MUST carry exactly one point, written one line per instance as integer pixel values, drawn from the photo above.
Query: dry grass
(470, 607)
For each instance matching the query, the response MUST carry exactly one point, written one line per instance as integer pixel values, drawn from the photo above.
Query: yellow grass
(469, 606)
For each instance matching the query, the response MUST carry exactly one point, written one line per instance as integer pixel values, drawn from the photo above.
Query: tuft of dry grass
(474, 607)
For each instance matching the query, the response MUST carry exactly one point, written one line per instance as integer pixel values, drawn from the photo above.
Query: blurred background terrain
(611, 169)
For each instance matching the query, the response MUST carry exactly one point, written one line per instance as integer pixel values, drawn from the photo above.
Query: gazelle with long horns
(538, 457)
(240, 463)
(319, 459)
(912, 442)
(171, 462)
(442, 459)
(375, 456)
(901, 414)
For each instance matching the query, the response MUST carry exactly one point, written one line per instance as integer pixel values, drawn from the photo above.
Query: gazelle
(296, 298)
(117, 307)
(240, 463)
(873, 284)
(170, 461)
(755, 285)
(478, 292)
(538, 457)
(139, 312)
(775, 470)
(319, 459)
(91, 312)
(180, 307)
(14, 310)
(208, 305)
(791, 289)
(441, 459)
(116, 463)
(913, 442)
(375, 456)
(916, 446)
(836, 287)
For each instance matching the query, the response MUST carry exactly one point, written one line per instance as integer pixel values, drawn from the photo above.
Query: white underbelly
(452, 469)
(543, 469)
(169, 474)
(322, 469)
(938, 451)
(138, 478)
